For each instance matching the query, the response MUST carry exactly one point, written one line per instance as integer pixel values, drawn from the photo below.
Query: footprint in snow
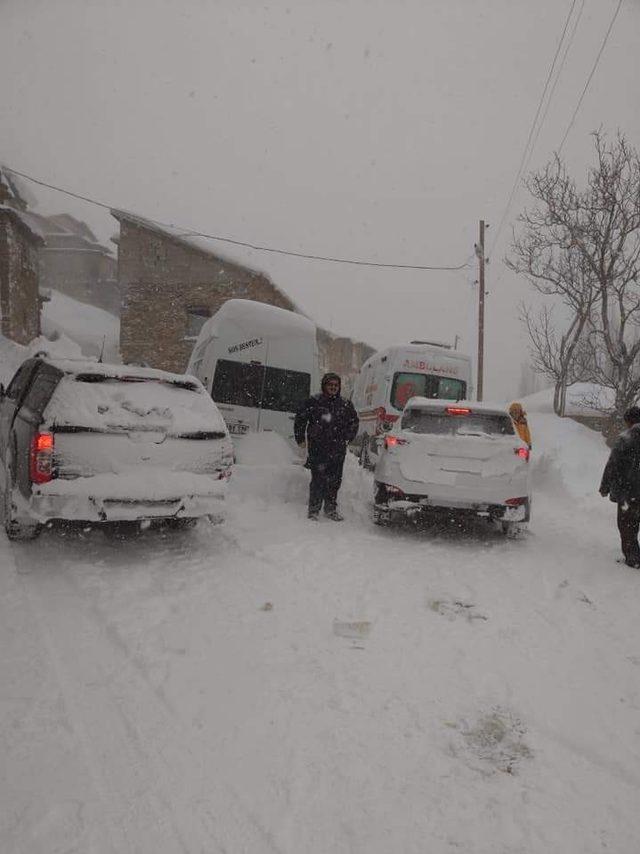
(357, 630)
(456, 608)
(496, 738)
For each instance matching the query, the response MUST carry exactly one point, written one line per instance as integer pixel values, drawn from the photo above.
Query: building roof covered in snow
(63, 232)
(194, 242)
(25, 222)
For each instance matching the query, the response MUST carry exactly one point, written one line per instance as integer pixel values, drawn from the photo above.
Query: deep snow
(77, 330)
(95, 330)
(278, 685)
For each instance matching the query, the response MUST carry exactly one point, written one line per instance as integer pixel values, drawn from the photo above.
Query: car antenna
(104, 340)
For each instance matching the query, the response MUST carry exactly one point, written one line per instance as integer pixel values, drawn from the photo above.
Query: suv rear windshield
(408, 385)
(244, 384)
(124, 404)
(440, 423)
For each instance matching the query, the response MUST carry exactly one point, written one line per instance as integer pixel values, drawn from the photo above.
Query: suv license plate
(238, 429)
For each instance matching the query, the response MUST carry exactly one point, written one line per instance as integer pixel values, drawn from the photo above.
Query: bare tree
(582, 246)
(554, 354)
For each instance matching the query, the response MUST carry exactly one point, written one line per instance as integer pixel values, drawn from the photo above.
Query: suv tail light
(523, 453)
(457, 410)
(516, 502)
(394, 491)
(41, 458)
(393, 441)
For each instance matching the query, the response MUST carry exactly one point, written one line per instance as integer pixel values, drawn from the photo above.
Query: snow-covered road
(278, 685)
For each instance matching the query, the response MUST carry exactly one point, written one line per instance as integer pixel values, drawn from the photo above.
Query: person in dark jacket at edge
(325, 424)
(621, 482)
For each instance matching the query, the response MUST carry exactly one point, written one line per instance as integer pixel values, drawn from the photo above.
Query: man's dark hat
(330, 376)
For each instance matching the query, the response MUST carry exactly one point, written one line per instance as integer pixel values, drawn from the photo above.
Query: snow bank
(70, 329)
(268, 471)
(87, 325)
(585, 399)
(263, 449)
(566, 455)
(12, 355)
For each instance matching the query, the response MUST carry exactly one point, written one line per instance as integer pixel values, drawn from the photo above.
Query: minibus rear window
(408, 385)
(285, 391)
(243, 384)
(237, 383)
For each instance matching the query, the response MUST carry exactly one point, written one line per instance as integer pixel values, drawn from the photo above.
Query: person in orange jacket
(519, 417)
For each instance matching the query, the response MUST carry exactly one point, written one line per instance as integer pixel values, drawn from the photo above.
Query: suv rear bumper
(107, 498)
(94, 509)
(412, 504)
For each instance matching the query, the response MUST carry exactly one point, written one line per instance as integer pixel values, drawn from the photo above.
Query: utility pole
(481, 259)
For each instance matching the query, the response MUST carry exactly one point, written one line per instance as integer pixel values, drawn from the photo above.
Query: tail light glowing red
(516, 502)
(457, 410)
(394, 441)
(394, 491)
(41, 458)
(523, 453)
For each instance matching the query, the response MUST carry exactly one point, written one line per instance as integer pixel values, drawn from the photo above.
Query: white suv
(456, 457)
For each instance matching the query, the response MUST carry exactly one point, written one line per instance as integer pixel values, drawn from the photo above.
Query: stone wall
(342, 355)
(19, 297)
(160, 279)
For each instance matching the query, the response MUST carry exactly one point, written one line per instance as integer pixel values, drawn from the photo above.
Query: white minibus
(389, 378)
(259, 363)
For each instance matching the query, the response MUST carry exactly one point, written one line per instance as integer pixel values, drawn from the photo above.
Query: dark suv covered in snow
(95, 443)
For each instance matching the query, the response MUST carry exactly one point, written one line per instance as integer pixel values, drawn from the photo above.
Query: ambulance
(259, 363)
(389, 378)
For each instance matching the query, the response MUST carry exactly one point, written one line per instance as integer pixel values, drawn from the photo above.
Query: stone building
(20, 240)
(170, 284)
(342, 355)
(74, 263)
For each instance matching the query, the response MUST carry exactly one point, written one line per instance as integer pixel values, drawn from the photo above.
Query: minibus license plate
(238, 429)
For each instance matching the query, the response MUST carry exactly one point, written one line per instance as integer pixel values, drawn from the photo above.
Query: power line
(189, 232)
(532, 128)
(556, 81)
(590, 77)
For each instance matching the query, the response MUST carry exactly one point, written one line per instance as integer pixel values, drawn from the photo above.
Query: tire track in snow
(110, 832)
(163, 783)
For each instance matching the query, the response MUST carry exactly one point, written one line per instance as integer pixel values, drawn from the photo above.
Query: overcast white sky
(361, 128)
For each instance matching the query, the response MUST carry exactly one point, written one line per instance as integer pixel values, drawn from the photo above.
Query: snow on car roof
(89, 366)
(147, 403)
(440, 403)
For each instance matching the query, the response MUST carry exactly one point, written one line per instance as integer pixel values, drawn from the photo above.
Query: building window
(197, 316)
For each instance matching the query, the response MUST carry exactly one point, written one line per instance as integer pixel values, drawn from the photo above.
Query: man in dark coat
(621, 482)
(325, 424)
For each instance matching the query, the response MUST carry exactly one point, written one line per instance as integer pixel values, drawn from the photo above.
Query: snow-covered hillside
(568, 457)
(69, 329)
(12, 354)
(278, 685)
(93, 329)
